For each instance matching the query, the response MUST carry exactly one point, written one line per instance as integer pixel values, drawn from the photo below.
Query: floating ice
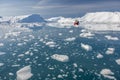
(86, 35)
(70, 39)
(2, 53)
(1, 64)
(15, 34)
(111, 38)
(107, 73)
(24, 73)
(51, 44)
(99, 56)
(110, 51)
(118, 61)
(62, 58)
(86, 47)
(1, 44)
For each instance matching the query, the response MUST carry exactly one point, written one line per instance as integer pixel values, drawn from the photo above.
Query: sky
(54, 8)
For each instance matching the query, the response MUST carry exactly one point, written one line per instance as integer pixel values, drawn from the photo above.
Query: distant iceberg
(32, 19)
(101, 17)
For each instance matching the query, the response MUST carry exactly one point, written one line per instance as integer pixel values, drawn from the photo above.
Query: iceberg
(101, 17)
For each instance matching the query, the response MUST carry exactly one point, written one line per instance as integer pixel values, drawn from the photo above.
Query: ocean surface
(29, 48)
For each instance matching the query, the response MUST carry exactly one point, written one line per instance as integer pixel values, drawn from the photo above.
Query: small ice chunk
(111, 38)
(1, 64)
(118, 61)
(71, 31)
(51, 44)
(86, 35)
(75, 65)
(2, 53)
(70, 39)
(24, 73)
(107, 73)
(60, 34)
(99, 56)
(1, 44)
(11, 74)
(62, 58)
(86, 47)
(110, 51)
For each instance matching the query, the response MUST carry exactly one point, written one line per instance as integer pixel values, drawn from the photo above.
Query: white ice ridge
(86, 47)
(108, 74)
(24, 73)
(61, 58)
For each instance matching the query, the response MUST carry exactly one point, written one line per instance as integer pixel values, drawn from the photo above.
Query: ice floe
(99, 56)
(1, 44)
(111, 38)
(24, 73)
(1, 64)
(2, 53)
(110, 51)
(70, 39)
(86, 47)
(108, 74)
(51, 44)
(61, 58)
(86, 35)
(118, 61)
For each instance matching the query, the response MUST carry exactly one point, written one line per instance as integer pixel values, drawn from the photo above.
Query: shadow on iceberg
(34, 18)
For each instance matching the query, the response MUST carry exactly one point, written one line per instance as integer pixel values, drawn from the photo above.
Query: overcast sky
(52, 8)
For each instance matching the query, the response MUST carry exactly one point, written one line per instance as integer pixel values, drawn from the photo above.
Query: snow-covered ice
(102, 17)
(86, 47)
(24, 73)
(61, 58)
(108, 74)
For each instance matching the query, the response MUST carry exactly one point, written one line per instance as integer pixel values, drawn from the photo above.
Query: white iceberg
(61, 58)
(102, 17)
(24, 73)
